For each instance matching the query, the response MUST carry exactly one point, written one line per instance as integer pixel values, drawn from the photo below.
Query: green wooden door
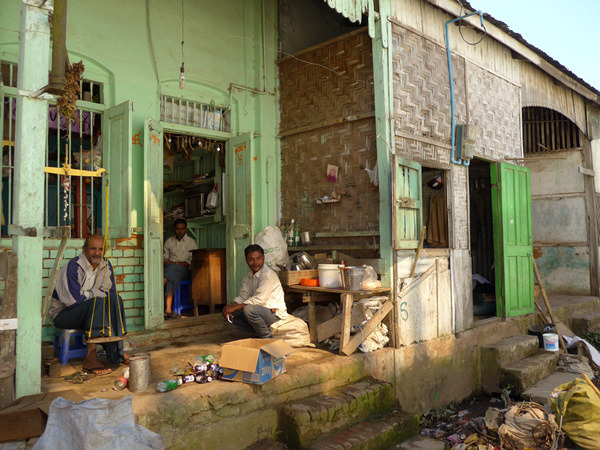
(153, 223)
(117, 158)
(406, 212)
(239, 209)
(513, 241)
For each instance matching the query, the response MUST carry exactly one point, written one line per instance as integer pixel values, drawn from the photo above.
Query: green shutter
(153, 223)
(406, 214)
(239, 208)
(513, 241)
(118, 164)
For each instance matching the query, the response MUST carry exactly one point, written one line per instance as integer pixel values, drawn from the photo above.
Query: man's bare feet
(95, 367)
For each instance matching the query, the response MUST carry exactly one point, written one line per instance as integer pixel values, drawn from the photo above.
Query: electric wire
(460, 28)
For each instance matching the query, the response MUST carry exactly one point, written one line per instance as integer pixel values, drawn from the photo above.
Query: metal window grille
(196, 114)
(80, 143)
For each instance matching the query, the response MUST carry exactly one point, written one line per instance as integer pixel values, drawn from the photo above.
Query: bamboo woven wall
(328, 118)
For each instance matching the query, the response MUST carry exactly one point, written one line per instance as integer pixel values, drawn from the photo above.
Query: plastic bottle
(121, 382)
(297, 234)
(290, 234)
(167, 385)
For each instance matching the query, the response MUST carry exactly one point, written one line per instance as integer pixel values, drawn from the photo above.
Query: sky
(567, 30)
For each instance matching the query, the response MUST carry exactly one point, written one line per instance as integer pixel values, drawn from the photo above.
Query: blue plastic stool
(178, 296)
(64, 349)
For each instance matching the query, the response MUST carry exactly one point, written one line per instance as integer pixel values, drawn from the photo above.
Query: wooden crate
(289, 278)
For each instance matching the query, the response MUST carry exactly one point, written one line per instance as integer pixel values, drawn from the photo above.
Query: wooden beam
(367, 329)
(501, 36)
(333, 326)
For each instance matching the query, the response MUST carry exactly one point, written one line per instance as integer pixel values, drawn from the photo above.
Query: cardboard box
(254, 360)
(26, 417)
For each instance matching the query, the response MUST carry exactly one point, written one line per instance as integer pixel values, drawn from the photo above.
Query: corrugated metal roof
(353, 10)
(505, 28)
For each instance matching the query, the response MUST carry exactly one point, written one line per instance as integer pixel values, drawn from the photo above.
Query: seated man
(85, 297)
(261, 302)
(177, 259)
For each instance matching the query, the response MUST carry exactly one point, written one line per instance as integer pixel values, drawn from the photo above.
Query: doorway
(193, 180)
(482, 240)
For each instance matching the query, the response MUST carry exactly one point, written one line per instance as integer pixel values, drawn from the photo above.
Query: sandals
(172, 315)
(97, 370)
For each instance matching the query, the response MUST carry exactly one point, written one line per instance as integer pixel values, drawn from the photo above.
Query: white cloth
(176, 250)
(263, 288)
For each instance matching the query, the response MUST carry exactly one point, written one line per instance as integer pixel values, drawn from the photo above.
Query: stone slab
(541, 391)
(419, 442)
(528, 371)
(584, 323)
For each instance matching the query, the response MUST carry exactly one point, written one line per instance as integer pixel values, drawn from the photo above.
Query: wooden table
(347, 345)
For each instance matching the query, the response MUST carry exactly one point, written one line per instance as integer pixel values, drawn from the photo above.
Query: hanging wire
(182, 33)
(460, 27)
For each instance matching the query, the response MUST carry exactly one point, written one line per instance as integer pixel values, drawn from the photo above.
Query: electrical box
(465, 141)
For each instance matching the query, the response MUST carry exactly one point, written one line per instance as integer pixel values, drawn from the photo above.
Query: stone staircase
(515, 363)
(359, 415)
(588, 322)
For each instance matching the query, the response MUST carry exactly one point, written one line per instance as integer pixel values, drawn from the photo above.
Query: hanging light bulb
(182, 70)
(182, 78)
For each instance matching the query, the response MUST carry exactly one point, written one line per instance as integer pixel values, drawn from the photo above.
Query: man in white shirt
(260, 302)
(177, 259)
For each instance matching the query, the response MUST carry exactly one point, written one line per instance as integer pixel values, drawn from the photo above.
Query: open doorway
(482, 239)
(193, 179)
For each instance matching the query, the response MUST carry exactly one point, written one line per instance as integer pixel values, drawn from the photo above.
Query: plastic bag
(579, 407)
(379, 337)
(370, 280)
(212, 199)
(271, 240)
(292, 331)
(98, 424)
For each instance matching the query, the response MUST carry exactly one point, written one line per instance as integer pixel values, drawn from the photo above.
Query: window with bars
(74, 201)
(547, 130)
(196, 114)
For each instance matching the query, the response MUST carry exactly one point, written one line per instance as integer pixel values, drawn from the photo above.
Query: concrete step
(307, 419)
(375, 434)
(540, 391)
(420, 442)
(520, 375)
(501, 353)
(585, 323)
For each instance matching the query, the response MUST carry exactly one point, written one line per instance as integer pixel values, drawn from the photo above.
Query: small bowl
(309, 282)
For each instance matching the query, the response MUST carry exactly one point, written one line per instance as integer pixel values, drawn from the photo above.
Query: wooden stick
(545, 297)
(592, 385)
(414, 266)
(540, 312)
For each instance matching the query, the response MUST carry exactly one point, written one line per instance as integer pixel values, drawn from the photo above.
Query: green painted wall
(223, 47)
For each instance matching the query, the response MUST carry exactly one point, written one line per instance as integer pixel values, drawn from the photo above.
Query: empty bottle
(167, 385)
(121, 382)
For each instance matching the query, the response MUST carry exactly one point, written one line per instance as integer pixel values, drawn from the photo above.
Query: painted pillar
(384, 126)
(28, 197)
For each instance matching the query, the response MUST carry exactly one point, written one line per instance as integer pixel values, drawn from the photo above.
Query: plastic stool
(178, 306)
(64, 349)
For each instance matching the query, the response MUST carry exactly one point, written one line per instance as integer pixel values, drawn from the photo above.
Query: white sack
(272, 242)
(292, 331)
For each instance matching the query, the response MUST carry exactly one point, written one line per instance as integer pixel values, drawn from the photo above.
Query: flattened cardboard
(26, 417)
(254, 360)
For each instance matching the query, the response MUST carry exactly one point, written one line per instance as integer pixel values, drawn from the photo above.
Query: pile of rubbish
(204, 370)
(515, 427)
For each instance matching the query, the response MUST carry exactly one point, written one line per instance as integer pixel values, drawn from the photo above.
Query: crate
(289, 278)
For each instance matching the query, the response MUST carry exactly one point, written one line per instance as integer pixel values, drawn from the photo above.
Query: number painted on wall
(403, 311)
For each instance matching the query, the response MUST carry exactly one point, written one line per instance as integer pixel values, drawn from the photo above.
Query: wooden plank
(8, 310)
(367, 329)
(328, 123)
(591, 213)
(302, 289)
(346, 313)
(588, 172)
(423, 139)
(334, 325)
(312, 322)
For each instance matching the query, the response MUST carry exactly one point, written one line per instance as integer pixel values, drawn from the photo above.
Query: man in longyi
(260, 302)
(85, 297)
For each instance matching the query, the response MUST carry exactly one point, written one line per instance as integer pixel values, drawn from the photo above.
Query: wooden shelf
(334, 247)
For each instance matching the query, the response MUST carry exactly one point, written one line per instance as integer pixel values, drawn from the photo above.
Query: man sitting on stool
(261, 302)
(177, 259)
(85, 297)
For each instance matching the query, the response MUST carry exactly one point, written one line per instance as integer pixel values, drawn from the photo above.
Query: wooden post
(31, 135)
(347, 312)
(8, 310)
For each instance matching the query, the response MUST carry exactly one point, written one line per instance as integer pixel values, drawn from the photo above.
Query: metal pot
(306, 238)
(295, 267)
(306, 261)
